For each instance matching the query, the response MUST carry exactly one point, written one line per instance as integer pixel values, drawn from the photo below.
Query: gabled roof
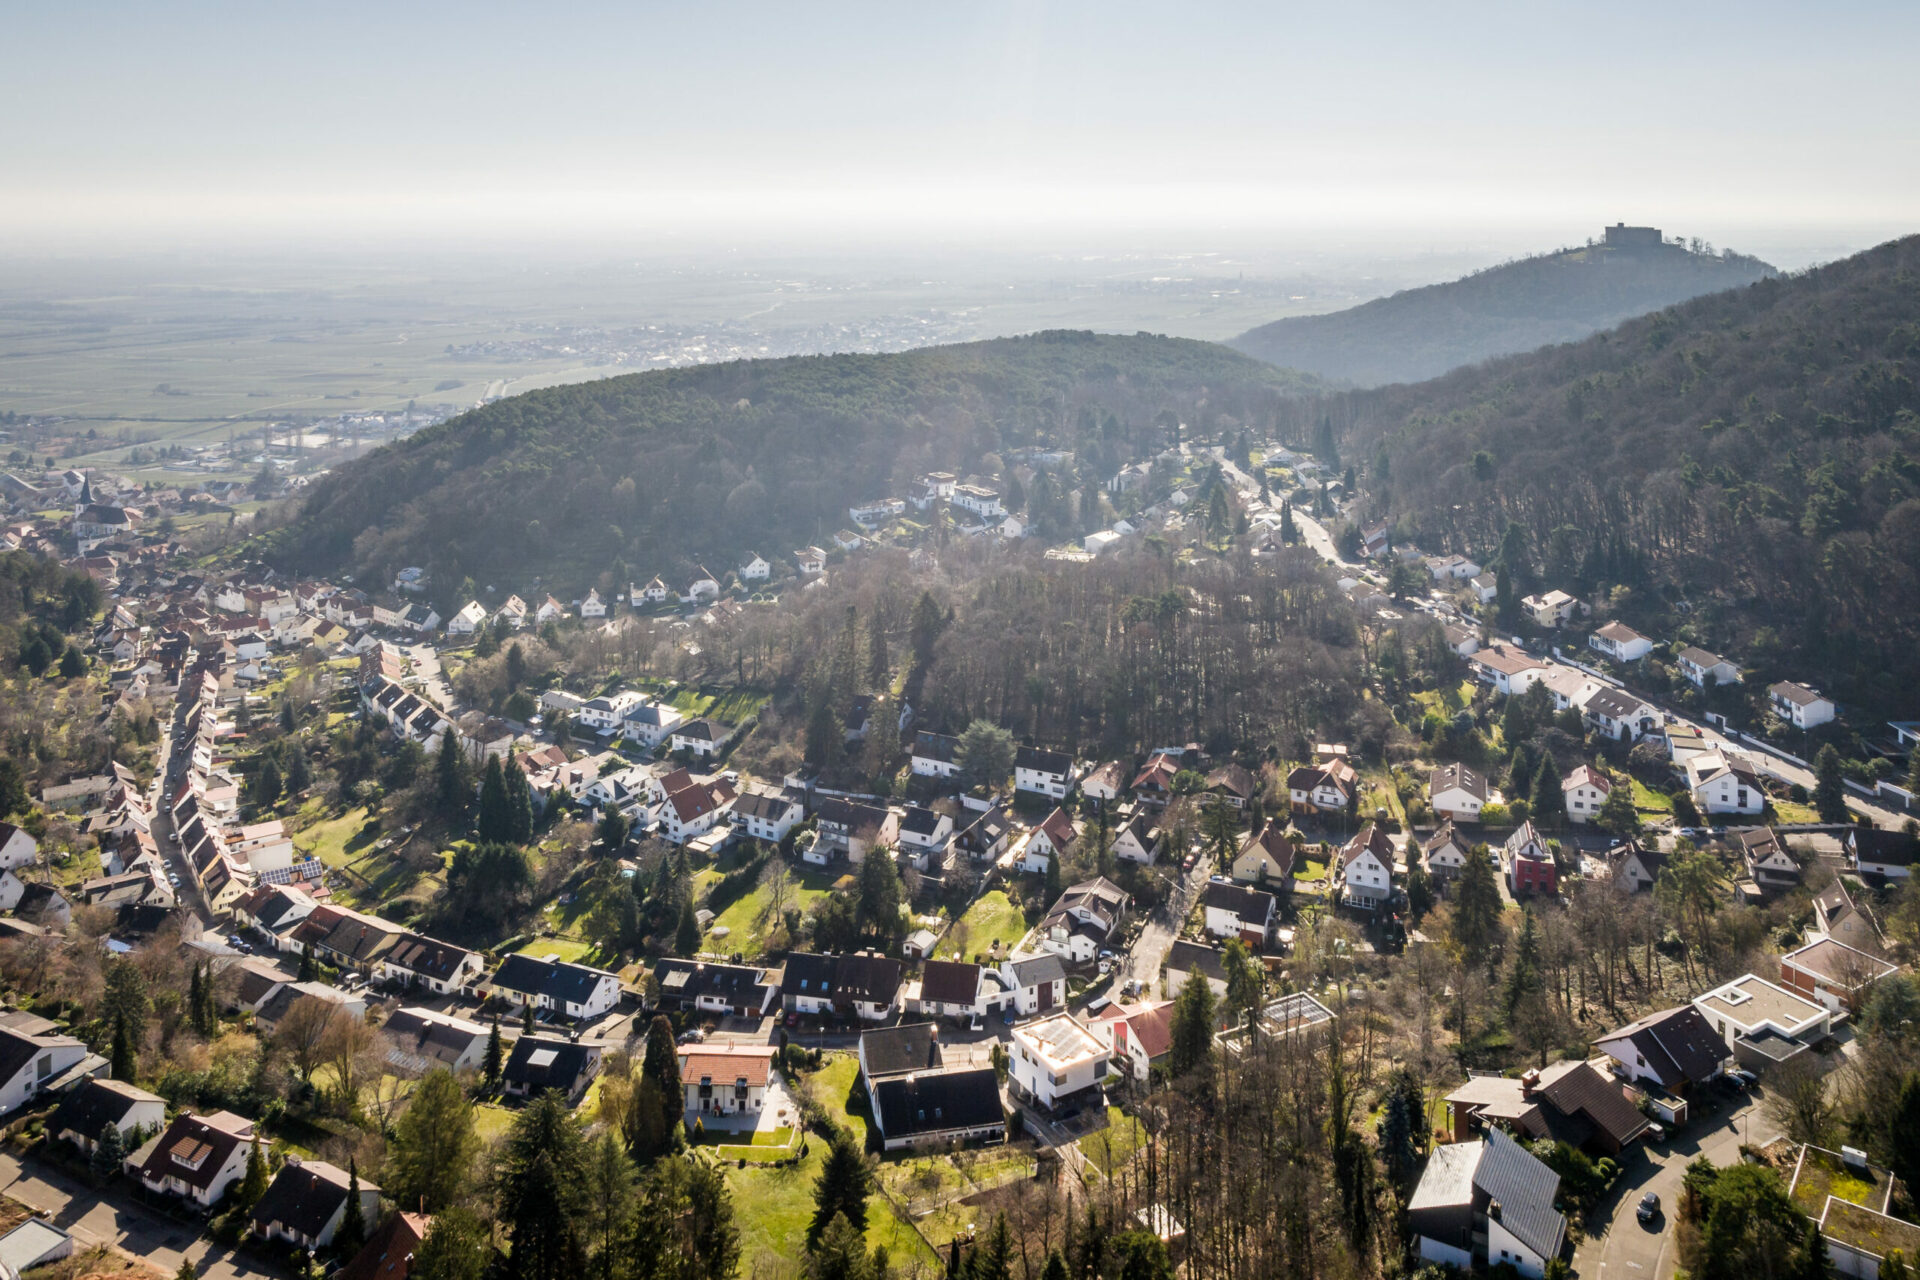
(555, 979)
(1032, 971)
(950, 982)
(1872, 844)
(1679, 1044)
(1059, 828)
(95, 1104)
(1369, 839)
(1525, 1188)
(938, 747)
(887, 1051)
(304, 1196)
(541, 1062)
(918, 821)
(1449, 776)
(1040, 761)
(1250, 905)
(1587, 776)
(388, 1253)
(723, 1064)
(938, 1101)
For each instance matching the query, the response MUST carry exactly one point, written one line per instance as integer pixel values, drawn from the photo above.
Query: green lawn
(1109, 1148)
(341, 841)
(492, 1121)
(746, 929)
(570, 950)
(993, 915)
(1310, 870)
(1448, 700)
(1647, 800)
(1788, 811)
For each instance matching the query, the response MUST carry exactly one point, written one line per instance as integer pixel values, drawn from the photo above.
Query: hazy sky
(144, 123)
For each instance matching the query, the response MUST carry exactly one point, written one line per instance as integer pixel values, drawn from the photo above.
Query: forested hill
(1519, 306)
(654, 472)
(1753, 453)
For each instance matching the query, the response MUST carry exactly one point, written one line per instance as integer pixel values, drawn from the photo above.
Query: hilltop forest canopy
(656, 471)
(1746, 463)
(1517, 306)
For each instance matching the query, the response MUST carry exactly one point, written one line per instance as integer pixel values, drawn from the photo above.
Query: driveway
(1623, 1248)
(119, 1222)
(1162, 927)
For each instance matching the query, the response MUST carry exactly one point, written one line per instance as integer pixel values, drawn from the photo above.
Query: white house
(702, 586)
(1507, 669)
(725, 1080)
(1619, 715)
(655, 592)
(952, 989)
(1704, 670)
(1485, 588)
(1235, 911)
(924, 836)
(593, 606)
(1552, 609)
(470, 618)
(1137, 1034)
(17, 848)
(1750, 1007)
(1050, 840)
(572, 990)
(811, 561)
(1084, 919)
(1055, 1058)
(87, 1111)
(1366, 868)
(34, 1062)
(307, 1201)
(1138, 839)
(1799, 706)
(983, 502)
(1036, 983)
(198, 1157)
(1042, 773)
(1457, 792)
(767, 815)
(933, 755)
(755, 569)
(1484, 1203)
(606, 712)
(1620, 642)
(1722, 782)
(550, 610)
(1586, 789)
(1447, 569)
(1445, 853)
(1874, 851)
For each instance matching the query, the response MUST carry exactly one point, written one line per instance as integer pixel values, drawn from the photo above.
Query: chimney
(933, 1046)
(1529, 1082)
(1493, 1210)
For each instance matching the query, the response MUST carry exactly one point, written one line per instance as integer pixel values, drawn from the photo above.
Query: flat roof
(1059, 1039)
(1751, 1000)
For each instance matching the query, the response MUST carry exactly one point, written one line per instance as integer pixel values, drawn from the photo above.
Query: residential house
(650, 723)
(810, 561)
(1462, 640)
(1105, 783)
(1185, 960)
(1616, 714)
(31, 1063)
(1154, 783)
(852, 828)
(952, 989)
(1138, 839)
(934, 755)
(984, 838)
(1232, 785)
(389, 1252)
(572, 990)
(1799, 706)
(938, 1108)
(1450, 569)
(1841, 915)
(767, 815)
(1768, 863)
(423, 1039)
(1050, 840)
(1457, 792)
(1528, 862)
(1083, 920)
(861, 985)
(1485, 588)
(1235, 911)
(699, 986)
(1043, 773)
(1722, 782)
(1676, 1050)
(93, 1106)
(982, 502)
(1444, 854)
(1873, 851)
(1833, 973)
(898, 1050)
(1365, 871)
(306, 1202)
(1480, 1204)
(1138, 1035)
(1055, 1059)
(1620, 642)
(1635, 867)
(694, 808)
(17, 848)
(1326, 787)
(197, 1158)
(1704, 670)
(754, 569)
(593, 606)
(1762, 1022)
(701, 737)
(273, 1010)
(469, 618)
(540, 1063)
(1267, 856)
(702, 586)
(1567, 1102)
(1586, 790)
(1034, 984)
(924, 837)
(725, 1080)
(1550, 609)
(416, 960)
(1507, 669)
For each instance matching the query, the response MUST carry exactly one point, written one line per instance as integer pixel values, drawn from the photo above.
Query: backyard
(993, 917)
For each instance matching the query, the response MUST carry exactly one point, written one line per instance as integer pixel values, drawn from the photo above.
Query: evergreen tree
(186, 1271)
(839, 1254)
(430, 1162)
(496, 1058)
(1191, 1030)
(1815, 1264)
(985, 754)
(686, 938)
(1055, 887)
(1419, 891)
(540, 1191)
(1289, 531)
(1619, 816)
(880, 896)
(879, 662)
(1056, 1268)
(1894, 1266)
(993, 1257)
(528, 1022)
(306, 971)
(495, 824)
(1903, 1137)
(195, 995)
(845, 1182)
(1476, 908)
(610, 1187)
(267, 784)
(13, 788)
(610, 833)
(125, 1061)
(450, 779)
(254, 1184)
(288, 723)
(519, 805)
(109, 1153)
(299, 769)
(826, 740)
(1141, 1255)
(1246, 981)
(352, 1231)
(1549, 803)
(516, 666)
(925, 627)
(458, 1246)
(1830, 790)
(1524, 978)
(73, 664)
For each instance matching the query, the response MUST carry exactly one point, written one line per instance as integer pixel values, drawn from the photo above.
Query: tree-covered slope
(1518, 306)
(654, 471)
(1747, 462)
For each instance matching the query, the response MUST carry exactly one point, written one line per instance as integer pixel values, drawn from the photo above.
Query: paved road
(119, 1222)
(1162, 927)
(1626, 1249)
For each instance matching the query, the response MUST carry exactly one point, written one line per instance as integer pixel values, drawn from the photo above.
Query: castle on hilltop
(1622, 236)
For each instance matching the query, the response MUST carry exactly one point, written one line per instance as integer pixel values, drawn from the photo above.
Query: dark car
(1649, 1207)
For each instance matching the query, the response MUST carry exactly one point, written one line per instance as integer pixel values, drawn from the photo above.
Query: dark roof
(1679, 1044)
(94, 1105)
(1871, 844)
(1186, 957)
(1525, 1188)
(1043, 761)
(950, 982)
(919, 821)
(889, 1051)
(1580, 1090)
(388, 1254)
(764, 805)
(1031, 971)
(691, 979)
(427, 957)
(304, 1197)
(807, 975)
(938, 1102)
(555, 979)
(935, 746)
(539, 1063)
(865, 976)
(1248, 904)
(17, 1049)
(188, 1133)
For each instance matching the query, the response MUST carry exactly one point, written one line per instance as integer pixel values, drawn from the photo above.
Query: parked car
(695, 1036)
(1649, 1206)
(1656, 1132)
